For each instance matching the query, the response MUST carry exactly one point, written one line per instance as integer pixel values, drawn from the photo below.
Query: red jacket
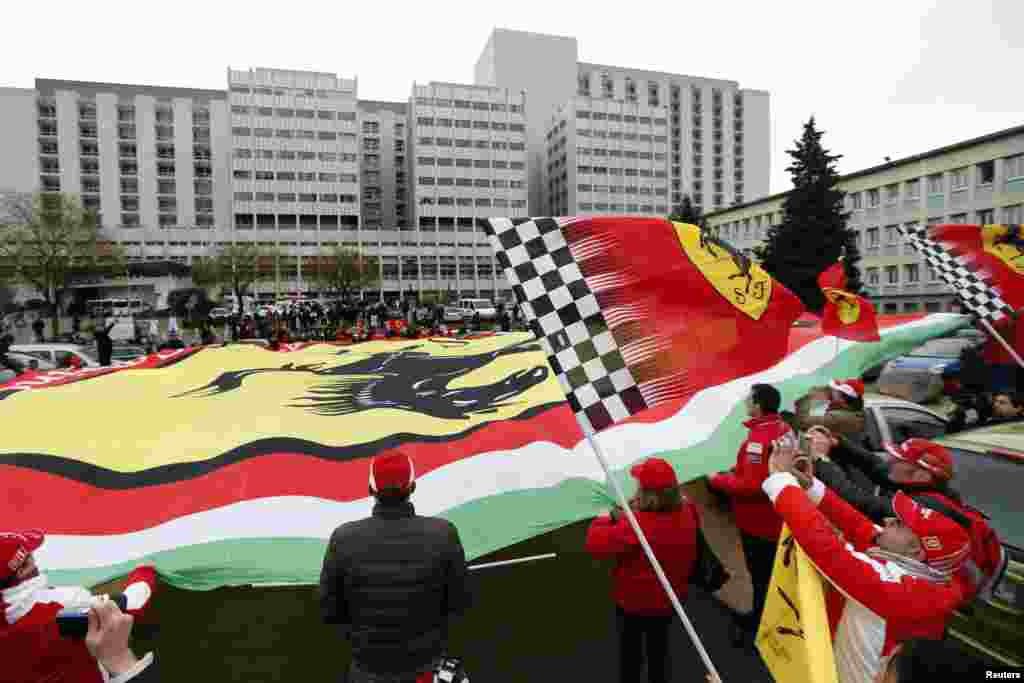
(886, 604)
(31, 647)
(753, 511)
(673, 538)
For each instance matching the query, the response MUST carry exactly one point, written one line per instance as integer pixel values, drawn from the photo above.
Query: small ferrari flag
(849, 316)
(794, 636)
(833, 277)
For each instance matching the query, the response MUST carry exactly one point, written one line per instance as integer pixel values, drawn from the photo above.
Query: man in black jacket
(396, 578)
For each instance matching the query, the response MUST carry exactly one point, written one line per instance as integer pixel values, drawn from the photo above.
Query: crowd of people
(891, 535)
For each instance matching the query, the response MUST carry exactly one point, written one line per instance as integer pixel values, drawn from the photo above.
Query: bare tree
(237, 267)
(343, 271)
(50, 242)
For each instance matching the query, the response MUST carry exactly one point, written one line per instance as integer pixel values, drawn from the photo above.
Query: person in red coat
(758, 523)
(643, 609)
(31, 647)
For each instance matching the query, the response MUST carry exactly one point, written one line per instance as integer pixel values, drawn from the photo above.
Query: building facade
(469, 162)
(718, 134)
(608, 157)
(976, 181)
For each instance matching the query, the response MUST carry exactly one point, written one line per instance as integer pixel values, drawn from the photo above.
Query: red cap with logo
(654, 473)
(852, 388)
(929, 456)
(392, 470)
(945, 542)
(15, 547)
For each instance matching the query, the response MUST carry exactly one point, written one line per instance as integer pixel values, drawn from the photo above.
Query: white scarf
(913, 567)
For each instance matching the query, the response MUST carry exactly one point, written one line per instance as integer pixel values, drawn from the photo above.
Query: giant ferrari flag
(228, 466)
(635, 312)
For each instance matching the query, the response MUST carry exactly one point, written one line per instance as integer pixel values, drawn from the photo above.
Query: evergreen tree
(812, 234)
(686, 212)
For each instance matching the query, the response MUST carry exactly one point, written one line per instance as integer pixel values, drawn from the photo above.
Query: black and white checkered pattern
(976, 294)
(564, 314)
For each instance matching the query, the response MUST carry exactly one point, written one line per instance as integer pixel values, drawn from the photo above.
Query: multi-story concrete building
(295, 165)
(384, 166)
(618, 164)
(468, 163)
(718, 133)
(151, 161)
(975, 181)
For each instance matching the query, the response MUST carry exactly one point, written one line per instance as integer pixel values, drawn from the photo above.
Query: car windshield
(939, 348)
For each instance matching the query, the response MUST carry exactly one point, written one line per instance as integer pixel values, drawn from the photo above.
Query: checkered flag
(970, 286)
(629, 319)
(563, 312)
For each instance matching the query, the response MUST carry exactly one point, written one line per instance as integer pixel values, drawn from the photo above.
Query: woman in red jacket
(643, 609)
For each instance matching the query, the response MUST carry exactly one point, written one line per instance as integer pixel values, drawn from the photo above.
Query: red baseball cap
(945, 542)
(928, 455)
(392, 470)
(654, 473)
(853, 388)
(15, 547)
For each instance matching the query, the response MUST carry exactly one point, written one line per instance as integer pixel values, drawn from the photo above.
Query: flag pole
(1002, 341)
(653, 560)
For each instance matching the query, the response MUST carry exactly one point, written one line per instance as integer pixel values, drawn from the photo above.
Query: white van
(57, 354)
(470, 307)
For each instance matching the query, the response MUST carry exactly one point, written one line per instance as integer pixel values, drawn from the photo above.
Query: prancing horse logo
(408, 379)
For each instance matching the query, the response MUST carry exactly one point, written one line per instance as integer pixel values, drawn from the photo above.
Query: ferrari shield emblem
(1006, 243)
(847, 307)
(734, 275)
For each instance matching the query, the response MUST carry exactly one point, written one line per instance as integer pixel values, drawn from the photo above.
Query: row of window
(498, 184)
(286, 134)
(620, 118)
(246, 221)
(281, 92)
(167, 220)
(441, 122)
(624, 208)
(619, 135)
(468, 201)
(627, 172)
(623, 189)
(90, 131)
(448, 162)
(125, 113)
(290, 197)
(291, 155)
(911, 274)
(620, 154)
(292, 176)
(466, 104)
(427, 141)
(288, 113)
(959, 180)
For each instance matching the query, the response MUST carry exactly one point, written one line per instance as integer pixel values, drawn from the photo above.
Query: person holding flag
(897, 580)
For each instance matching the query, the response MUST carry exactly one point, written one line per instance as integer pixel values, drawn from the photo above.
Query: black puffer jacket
(395, 577)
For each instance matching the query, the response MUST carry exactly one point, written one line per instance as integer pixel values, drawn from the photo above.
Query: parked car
(25, 360)
(219, 313)
(989, 467)
(927, 372)
(452, 314)
(58, 353)
(471, 307)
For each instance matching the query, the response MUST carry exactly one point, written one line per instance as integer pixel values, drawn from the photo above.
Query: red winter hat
(654, 473)
(394, 470)
(945, 542)
(854, 388)
(15, 547)
(927, 455)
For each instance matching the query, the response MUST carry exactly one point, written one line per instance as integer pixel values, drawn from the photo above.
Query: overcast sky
(884, 78)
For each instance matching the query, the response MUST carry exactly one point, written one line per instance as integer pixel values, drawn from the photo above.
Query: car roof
(1006, 437)
(47, 347)
(881, 401)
